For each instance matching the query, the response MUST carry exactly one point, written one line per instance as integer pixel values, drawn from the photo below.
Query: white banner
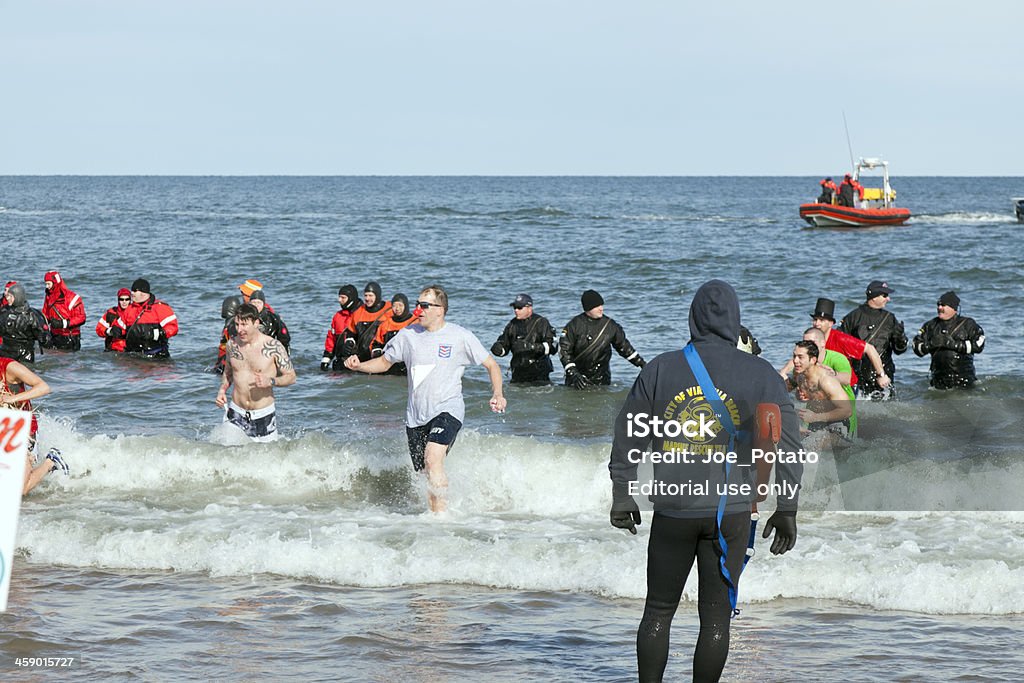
(14, 434)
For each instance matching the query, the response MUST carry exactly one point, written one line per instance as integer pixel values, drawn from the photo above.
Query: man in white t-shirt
(436, 353)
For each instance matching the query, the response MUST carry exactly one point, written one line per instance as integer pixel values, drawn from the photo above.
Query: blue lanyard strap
(707, 387)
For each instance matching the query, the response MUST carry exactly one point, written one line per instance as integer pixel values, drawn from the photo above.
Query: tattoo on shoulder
(275, 349)
(233, 351)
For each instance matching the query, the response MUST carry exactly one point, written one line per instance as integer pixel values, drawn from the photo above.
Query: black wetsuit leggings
(673, 546)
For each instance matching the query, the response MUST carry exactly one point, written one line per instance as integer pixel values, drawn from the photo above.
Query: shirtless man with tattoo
(828, 407)
(256, 363)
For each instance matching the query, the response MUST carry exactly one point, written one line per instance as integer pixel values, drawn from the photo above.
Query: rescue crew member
(107, 327)
(21, 327)
(531, 340)
(348, 301)
(148, 323)
(362, 326)
(695, 522)
(828, 192)
(271, 323)
(400, 318)
(585, 348)
(952, 340)
(64, 312)
(846, 190)
(871, 323)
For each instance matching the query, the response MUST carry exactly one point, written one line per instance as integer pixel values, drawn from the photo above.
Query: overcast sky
(482, 87)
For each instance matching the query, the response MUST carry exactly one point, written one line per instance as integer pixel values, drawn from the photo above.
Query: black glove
(639, 361)
(522, 346)
(111, 331)
(784, 523)
(374, 353)
(349, 346)
(57, 323)
(325, 362)
(958, 345)
(577, 380)
(498, 349)
(625, 513)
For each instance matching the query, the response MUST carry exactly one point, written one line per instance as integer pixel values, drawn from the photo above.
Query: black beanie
(591, 299)
(950, 299)
(258, 295)
(141, 285)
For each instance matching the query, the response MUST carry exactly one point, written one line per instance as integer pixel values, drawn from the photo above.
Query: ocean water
(171, 553)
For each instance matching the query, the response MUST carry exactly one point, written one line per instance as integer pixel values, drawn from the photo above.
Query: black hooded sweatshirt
(667, 388)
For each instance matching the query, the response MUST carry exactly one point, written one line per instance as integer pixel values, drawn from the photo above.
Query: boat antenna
(849, 146)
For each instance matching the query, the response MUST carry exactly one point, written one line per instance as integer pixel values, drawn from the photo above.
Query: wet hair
(247, 312)
(816, 333)
(812, 348)
(440, 296)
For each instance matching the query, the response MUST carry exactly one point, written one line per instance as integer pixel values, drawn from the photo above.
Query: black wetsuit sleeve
(623, 347)
(566, 344)
(547, 336)
(898, 338)
(503, 344)
(922, 340)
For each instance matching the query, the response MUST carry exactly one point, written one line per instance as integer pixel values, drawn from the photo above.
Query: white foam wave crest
(958, 217)
(526, 515)
(489, 473)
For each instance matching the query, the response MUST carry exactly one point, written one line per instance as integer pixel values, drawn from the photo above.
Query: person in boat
(585, 347)
(686, 525)
(849, 346)
(530, 339)
(21, 327)
(348, 301)
(952, 340)
(107, 327)
(271, 323)
(64, 312)
(18, 387)
(437, 353)
(401, 317)
(846, 191)
(871, 323)
(148, 323)
(828, 192)
(362, 326)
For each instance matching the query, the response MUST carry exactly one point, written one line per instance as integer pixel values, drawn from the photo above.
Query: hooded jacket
(666, 388)
(62, 308)
(362, 326)
(21, 328)
(339, 323)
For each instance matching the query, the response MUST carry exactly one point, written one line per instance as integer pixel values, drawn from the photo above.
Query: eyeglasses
(124, 298)
(426, 304)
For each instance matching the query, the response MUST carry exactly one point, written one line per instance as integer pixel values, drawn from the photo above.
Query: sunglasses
(426, 304)
(124, 298)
